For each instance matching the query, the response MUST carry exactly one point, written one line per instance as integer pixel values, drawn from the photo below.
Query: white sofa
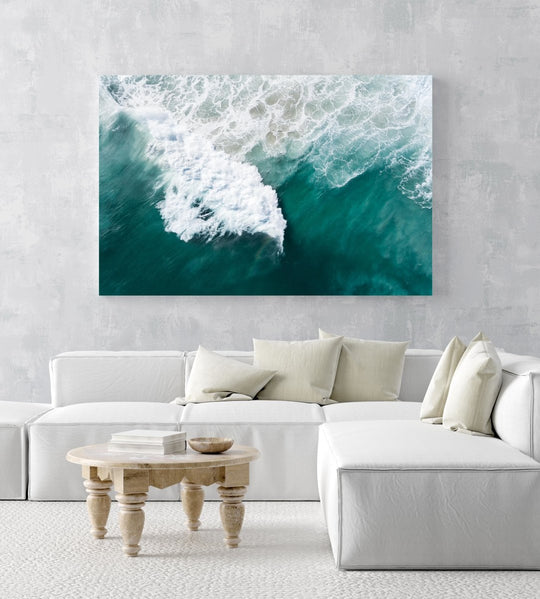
(396, 493)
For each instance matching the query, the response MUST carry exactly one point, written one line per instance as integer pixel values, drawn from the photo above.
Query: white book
(173, 444)
(148, 436)
(179, 447)
(149, 443)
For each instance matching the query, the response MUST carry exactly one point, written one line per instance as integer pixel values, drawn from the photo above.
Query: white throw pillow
(474, 389)
(437, 391)
(368, 370)
(216, 378)
(305, 369)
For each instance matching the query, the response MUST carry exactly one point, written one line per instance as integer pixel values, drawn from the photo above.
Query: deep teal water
(364, 238)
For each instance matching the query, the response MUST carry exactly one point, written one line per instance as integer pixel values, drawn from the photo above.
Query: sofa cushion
(400, 494)
(368, 370)
(106, 376)
(257, 411)
(52, 435)
(241, 356)
(113, 413)
(474, 389)
(305, 370)
(437, 391)
(371, 410)
(14, 416)
(285, 432)
(419, 367)
(215, 377)
(409, 444)
(17, 413)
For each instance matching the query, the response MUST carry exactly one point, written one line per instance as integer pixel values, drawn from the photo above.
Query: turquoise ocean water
(254, 185)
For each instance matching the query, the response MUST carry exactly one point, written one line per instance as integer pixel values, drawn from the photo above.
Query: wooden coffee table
(132, 474)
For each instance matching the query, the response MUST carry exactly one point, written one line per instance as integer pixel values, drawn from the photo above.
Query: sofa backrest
(93, 376)
(419, 367)
(516, 415)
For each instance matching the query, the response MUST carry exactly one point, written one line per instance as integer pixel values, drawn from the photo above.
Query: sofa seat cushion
(256, 411)
(372, 410)
(56, 432)
(112, 413)
(285, 432)
(411, 444)
(14, 416)
(17, 413)
(404, 494)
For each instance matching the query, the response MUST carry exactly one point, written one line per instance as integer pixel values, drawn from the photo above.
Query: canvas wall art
(265, 185)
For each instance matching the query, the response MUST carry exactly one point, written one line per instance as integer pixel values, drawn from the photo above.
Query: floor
(46, 551)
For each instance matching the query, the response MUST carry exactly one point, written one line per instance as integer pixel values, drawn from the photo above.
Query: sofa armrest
(516, 415)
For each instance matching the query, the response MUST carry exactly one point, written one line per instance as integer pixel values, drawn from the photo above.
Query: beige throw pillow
(437, 391)
(368, 370)
(305, 369)
(474, 389)
(216, 378)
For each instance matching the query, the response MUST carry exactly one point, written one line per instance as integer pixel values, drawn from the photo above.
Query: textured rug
(46, 551)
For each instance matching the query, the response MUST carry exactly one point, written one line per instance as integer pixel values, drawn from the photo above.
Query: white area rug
(46, 551)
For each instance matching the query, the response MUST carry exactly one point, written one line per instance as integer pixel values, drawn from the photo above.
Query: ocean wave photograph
(265, 185)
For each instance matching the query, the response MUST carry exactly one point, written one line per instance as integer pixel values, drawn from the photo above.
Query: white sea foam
(207, 192)
(209, 128)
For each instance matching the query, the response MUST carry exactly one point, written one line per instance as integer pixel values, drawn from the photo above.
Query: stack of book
(149, 442)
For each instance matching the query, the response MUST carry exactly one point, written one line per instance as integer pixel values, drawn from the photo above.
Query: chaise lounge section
(403, 494)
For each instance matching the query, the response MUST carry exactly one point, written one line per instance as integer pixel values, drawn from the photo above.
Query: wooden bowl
(210, 444)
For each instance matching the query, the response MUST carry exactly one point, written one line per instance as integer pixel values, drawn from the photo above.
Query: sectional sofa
(395, 492)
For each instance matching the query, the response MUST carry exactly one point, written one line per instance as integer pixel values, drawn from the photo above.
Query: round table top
(100, 456)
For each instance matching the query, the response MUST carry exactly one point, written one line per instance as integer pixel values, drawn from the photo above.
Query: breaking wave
(207, 194)
(218, 139)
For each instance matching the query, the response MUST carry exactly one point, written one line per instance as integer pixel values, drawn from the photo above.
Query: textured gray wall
(484, 57)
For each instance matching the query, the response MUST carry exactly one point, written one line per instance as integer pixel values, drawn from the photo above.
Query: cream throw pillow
(368, 370)
(305, 369)
(474, 389)
(437, 391)
(216, 378)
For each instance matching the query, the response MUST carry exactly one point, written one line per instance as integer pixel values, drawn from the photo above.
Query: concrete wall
(484, 56)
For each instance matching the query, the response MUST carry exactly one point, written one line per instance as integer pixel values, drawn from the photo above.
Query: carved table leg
(131, 521)
(232, 513)
(98, 504)
(192, 502)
